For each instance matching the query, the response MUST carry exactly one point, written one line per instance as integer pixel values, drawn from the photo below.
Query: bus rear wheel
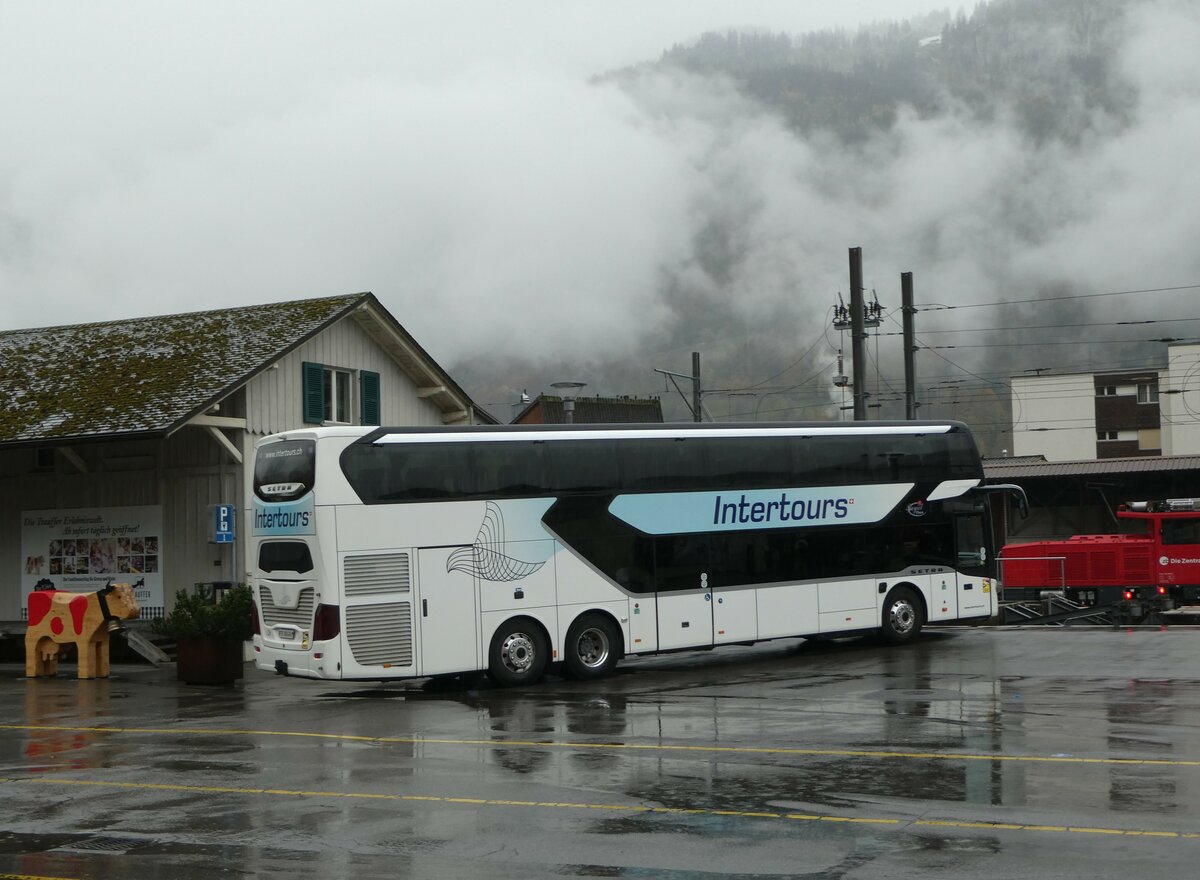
(902, 617)
(591, 648)
(519, 653)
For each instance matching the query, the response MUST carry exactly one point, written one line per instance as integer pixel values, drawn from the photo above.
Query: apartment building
(1118, 414)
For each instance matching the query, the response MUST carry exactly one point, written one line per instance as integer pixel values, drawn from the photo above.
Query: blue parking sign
(223, 525)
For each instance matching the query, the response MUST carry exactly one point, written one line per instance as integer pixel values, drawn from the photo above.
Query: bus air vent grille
(380, 634)
(301, 615)
(370, 575)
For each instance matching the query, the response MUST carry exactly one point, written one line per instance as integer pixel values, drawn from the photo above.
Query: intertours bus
(382, 553)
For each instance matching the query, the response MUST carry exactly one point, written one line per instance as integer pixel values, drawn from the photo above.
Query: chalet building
(548, 409)
(125, 446)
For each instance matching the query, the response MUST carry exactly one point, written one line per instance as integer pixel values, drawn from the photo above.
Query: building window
(336, 388)
(327, 394)
(1147, 392)
(1106, 390)
(1106, 435)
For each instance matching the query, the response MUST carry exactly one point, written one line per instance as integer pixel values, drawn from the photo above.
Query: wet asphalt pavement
(973, 754)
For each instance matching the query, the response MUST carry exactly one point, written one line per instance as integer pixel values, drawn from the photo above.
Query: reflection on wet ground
(847, 748)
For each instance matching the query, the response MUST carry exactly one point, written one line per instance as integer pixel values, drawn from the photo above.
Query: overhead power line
(938, 307)
(1166, 339)
(1050, 326)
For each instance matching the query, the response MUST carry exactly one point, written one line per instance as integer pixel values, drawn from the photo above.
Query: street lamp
(567, 390)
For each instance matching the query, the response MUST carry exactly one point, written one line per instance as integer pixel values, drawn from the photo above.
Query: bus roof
(647, 431)
(428, 434)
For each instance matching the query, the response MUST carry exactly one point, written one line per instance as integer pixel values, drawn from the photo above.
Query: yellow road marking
(612, 746)
(613, 808)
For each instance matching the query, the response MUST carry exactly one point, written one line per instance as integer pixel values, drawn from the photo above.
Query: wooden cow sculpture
(86, 619)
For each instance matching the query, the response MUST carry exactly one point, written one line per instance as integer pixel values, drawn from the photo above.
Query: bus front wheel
(902, 617)
(591, 648)
(519, 653)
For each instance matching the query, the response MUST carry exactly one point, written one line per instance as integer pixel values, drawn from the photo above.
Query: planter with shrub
(209, 635)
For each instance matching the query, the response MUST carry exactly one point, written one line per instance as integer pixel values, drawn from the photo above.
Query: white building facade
(1128, 413)
(1180, 401)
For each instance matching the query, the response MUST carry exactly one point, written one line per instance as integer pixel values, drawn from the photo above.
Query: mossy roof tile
(144, 375)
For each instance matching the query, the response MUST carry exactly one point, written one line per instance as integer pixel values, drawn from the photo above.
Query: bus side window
(581, 466)
(831, 461)
(738, 463)
(638, 575)
(969, 540)
(680, 560)
(512, 468)
(666, 465)
(430, 472)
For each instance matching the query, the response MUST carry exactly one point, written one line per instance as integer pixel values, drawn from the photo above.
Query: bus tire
(903, 616)
(519, 653)
(592, 648)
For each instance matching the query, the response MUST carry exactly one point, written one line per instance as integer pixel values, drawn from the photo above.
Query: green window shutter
(313, 395)
(368, 395)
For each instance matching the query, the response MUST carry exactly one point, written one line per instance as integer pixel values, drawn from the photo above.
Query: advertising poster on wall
(82, 550)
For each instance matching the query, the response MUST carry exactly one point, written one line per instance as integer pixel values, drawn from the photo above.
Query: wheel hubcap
(903, 616)
(592, 648)
(517, 652)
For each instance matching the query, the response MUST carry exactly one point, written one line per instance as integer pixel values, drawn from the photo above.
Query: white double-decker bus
(406, 552)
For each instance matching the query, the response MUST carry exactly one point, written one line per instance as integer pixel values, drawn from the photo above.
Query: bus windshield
(285, 470)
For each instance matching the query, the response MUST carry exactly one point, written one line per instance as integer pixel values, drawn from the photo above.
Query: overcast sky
(168, 155)
(453, 158)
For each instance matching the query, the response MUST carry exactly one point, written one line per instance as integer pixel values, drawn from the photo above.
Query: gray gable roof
(548, 409)
(149, 376)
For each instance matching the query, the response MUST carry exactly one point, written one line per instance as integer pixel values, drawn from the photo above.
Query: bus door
(684, 595)
(741, 561)
(926, 553)
(973, 552)
(941, 590)
(447, 614)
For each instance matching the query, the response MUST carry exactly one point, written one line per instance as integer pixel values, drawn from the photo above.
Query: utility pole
(696, 404)
(910, 370)
(858, 335)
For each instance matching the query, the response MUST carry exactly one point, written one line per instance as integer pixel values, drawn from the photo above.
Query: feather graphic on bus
(486, 559)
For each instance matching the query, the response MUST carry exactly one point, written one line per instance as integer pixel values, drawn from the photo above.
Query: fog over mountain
(530, 224)
(982, 196)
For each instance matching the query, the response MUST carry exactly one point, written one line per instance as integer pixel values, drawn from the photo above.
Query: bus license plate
(286, 633)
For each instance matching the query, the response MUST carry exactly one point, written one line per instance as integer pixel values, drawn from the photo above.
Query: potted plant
(209, 635)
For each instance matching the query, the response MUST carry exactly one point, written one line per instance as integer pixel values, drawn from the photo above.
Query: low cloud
(529, 218)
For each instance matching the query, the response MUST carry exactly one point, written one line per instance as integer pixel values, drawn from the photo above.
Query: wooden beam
(207, 421)
(453, 418)
(224, 443)
(74, 457)
(431, 390)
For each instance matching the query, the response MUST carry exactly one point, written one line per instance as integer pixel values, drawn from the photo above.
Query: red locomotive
(1159, 566)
